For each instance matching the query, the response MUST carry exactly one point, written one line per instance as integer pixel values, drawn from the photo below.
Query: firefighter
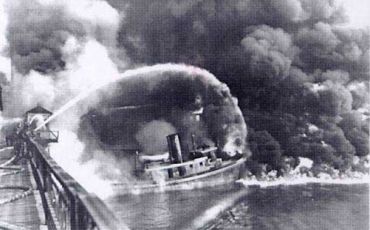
(19, 140)
(8, 140)
(17, 143)
(23, 138)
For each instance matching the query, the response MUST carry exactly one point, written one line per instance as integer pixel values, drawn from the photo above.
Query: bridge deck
(24, 212)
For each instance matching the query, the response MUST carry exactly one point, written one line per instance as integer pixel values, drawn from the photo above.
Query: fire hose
(16, 169)
(4, 225)
(26, 191)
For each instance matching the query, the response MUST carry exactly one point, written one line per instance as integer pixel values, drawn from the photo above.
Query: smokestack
(174, 148)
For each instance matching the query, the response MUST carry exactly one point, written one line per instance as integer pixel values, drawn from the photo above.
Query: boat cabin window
(201, 163)
(191, 166)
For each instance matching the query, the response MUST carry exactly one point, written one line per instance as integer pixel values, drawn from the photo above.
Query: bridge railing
(66, 203)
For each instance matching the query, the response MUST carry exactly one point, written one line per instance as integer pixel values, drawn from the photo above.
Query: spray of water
(72, 164)
(129, 73)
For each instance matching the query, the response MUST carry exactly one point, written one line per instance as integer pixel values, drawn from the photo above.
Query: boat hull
(224, 175)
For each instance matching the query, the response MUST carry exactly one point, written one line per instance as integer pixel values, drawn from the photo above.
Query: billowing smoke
(291, 64)
(58, 53)
(159, 100)
(53, 47)
(7, 125)
(42, 47)
(4, 60)
(152, 136)
(270, 51)
(94, 173)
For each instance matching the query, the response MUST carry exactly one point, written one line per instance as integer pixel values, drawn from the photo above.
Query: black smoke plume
(291, 64)
(163, 99)
(301, 78)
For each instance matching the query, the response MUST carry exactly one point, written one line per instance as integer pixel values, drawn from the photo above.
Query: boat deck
(227, 174)
(20, 202)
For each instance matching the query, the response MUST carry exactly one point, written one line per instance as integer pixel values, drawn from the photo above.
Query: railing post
(75, 208)
(81, 217)
(44, 175)
(73, 212)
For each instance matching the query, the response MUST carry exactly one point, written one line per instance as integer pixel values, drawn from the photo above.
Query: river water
(310, 206)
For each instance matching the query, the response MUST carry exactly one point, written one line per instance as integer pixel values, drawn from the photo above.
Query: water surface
(312, 206)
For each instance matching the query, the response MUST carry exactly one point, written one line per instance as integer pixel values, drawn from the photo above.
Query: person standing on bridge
(20, 140)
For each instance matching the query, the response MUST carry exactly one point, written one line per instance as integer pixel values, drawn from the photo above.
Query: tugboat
(170, 171)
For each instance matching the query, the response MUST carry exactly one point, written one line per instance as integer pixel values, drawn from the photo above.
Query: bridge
(36, 193)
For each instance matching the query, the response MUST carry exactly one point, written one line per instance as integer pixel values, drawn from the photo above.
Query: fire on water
(303, 179)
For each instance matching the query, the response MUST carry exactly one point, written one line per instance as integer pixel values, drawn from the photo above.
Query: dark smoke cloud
(356, 129)
(167, 96)
(38, 31)
(360, 93)
(152, 136)
(39, 47)
(53, 47)
(325, 46)
(334, 99)
(270, 52)
(290, 63)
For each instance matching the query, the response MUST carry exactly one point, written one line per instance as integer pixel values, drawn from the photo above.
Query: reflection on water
(300, 207)
(311, 206)
(167, 210)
